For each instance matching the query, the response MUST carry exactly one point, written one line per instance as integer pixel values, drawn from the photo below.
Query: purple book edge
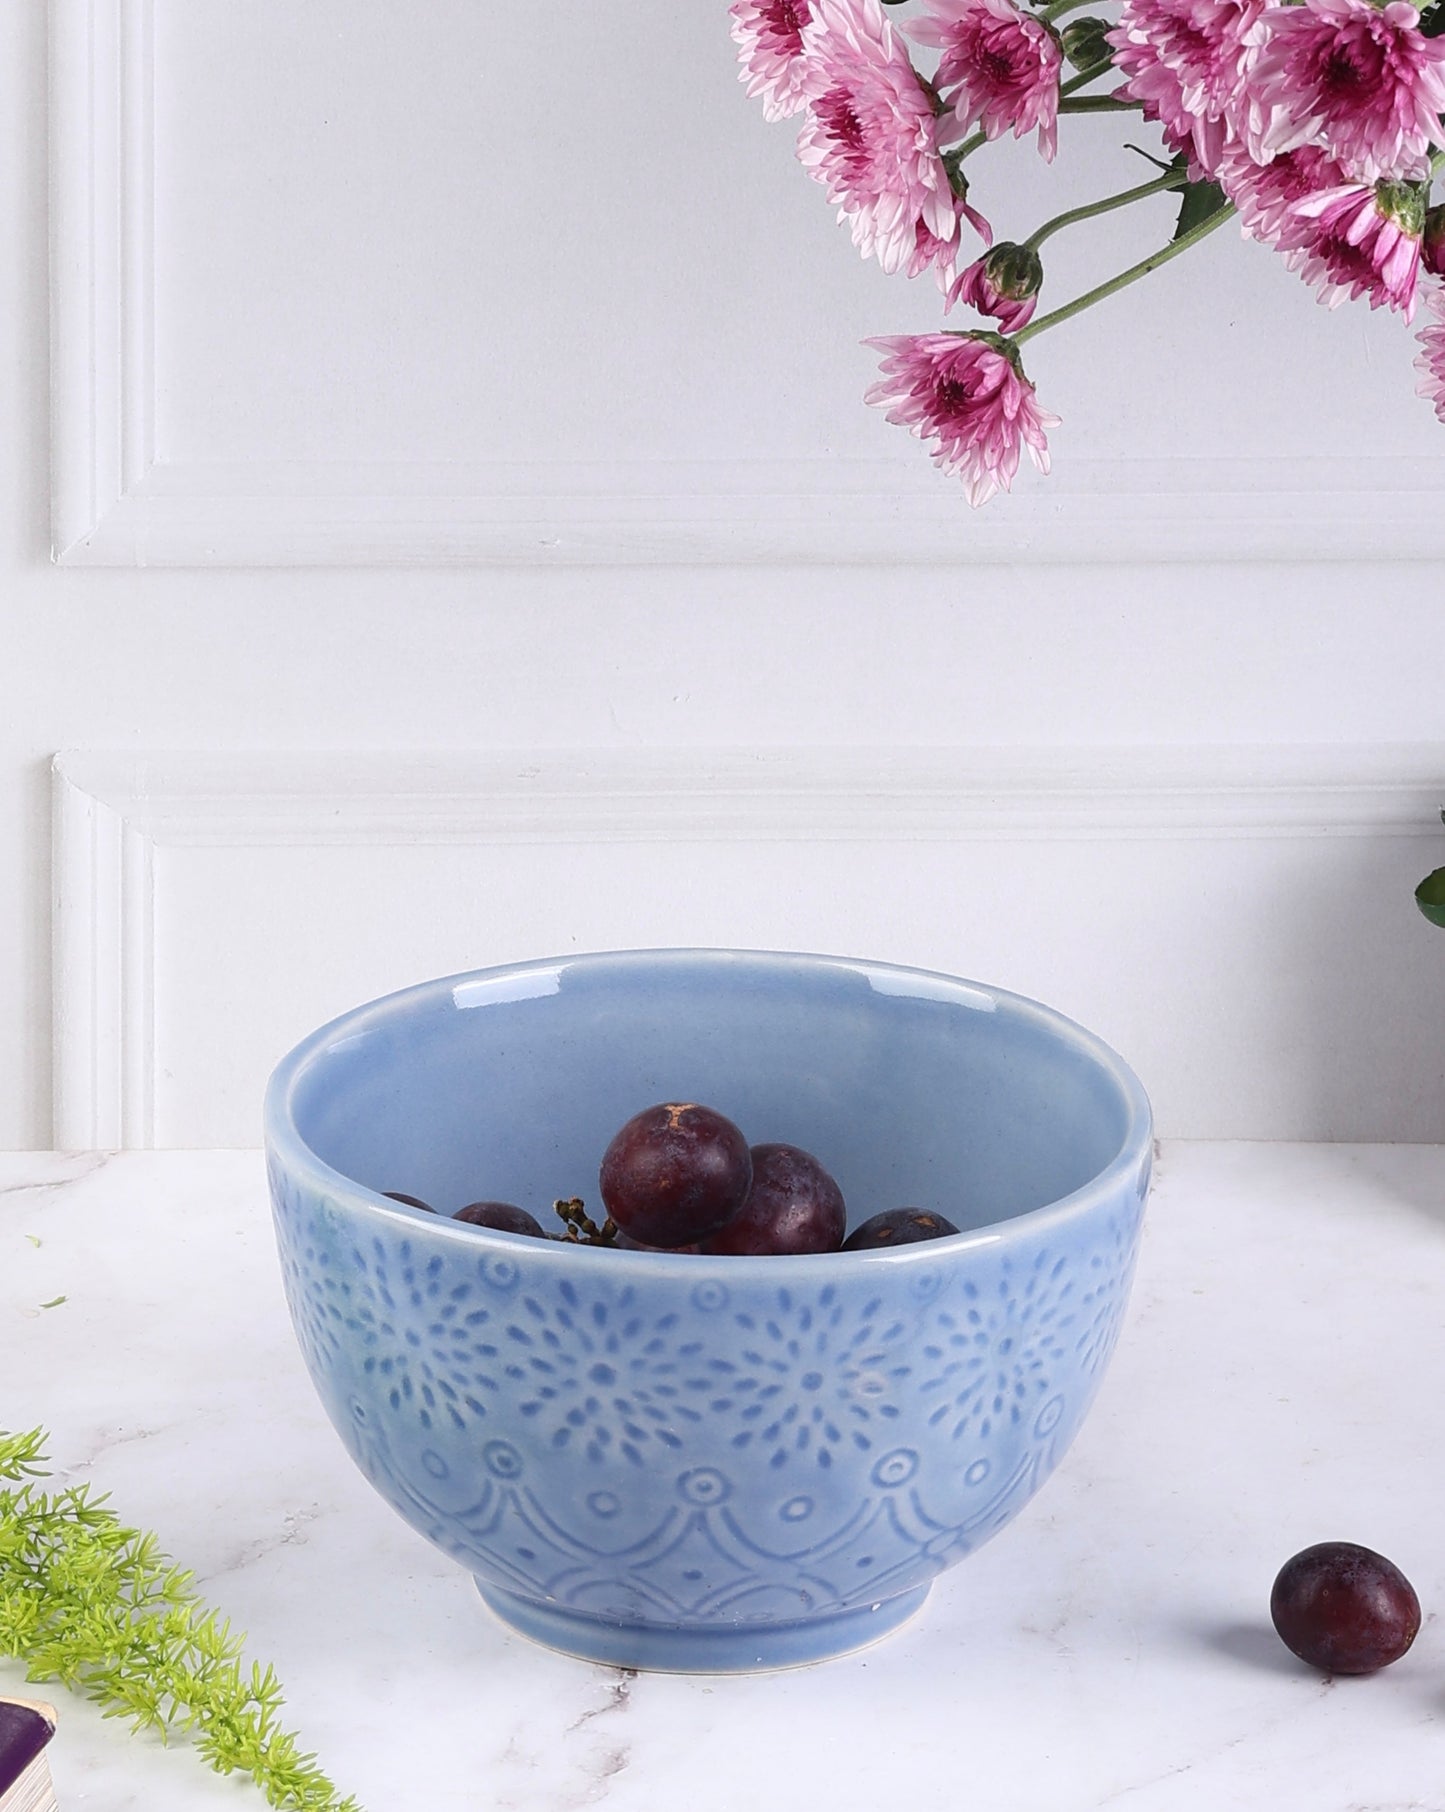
(25, 1729)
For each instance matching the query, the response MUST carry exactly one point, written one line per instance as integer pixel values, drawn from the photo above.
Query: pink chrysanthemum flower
(930, 253)
(769, 37)
(1204, 141)
(870, 137)
(1366, 242)
(1431, 361)
(998, 68)
(1265, 194)
(969, 397)
(1362, 78)
(1186, 61)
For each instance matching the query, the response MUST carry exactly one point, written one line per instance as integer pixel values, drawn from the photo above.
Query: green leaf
(1198, 200)
(1430, 897)
(96, 1605)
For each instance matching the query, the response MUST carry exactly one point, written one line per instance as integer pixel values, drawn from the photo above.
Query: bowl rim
(283, 1142)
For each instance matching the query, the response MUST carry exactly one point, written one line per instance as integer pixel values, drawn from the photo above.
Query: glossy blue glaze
(686, 1462)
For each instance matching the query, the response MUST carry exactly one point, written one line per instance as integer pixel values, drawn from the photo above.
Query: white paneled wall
(1238, 925)
(496, 381)
(352, 281)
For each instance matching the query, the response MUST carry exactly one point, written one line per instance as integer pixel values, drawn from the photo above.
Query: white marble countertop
(1279, 1382)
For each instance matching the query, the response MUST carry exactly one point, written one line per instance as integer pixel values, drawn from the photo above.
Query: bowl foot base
(732, 1649)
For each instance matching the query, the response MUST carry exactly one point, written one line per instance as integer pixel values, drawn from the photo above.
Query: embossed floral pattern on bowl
(670, 1460)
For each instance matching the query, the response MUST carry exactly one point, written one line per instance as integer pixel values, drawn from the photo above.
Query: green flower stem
(1097, 103)
(1160, 185)
(1132, 275)
(1059, 8)
(952, 159)
(1083, 78)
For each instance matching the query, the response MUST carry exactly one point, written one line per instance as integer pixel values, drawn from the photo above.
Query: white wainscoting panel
(1238, 922)
(357, 283)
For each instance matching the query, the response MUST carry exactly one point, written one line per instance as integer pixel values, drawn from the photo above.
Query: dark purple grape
(898, 1227)
(793, 1206)
(411, 1201)
(504, 1216)
(675, 1172)
(624, 1242)
(1344, 1609)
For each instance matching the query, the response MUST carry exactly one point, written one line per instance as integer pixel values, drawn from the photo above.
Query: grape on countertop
(1344, 1609)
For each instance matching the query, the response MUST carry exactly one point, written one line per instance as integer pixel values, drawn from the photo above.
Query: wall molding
(114, 810)
(102, 267)
(117, 503)
(102, 957)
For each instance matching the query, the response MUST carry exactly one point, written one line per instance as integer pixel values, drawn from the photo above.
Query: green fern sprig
(96, 1606)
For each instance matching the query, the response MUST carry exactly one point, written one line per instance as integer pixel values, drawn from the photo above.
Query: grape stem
(582, 1230)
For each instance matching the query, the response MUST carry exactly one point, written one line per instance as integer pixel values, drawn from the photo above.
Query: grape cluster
(681, 1177)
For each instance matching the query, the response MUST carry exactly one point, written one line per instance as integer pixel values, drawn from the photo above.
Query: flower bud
(1015, 271)
(1404, 203)
(1432, 241)
(1086, 44)
(1003, 283)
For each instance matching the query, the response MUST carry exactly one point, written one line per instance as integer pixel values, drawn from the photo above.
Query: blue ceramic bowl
(706, 1463)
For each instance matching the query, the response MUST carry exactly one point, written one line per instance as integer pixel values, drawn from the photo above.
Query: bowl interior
(912, 1088)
